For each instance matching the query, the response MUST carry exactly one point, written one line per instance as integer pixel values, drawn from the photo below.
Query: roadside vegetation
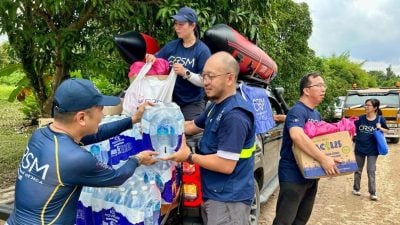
(13, 136)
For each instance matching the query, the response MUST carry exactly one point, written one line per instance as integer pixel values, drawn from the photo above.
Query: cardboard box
(337, 145)
(113, 110)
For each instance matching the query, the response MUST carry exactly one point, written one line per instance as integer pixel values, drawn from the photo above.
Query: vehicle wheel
(394, 140)
(255, 206)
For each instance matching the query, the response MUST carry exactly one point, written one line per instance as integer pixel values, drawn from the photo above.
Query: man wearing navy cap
(55, 166)
(186, 56)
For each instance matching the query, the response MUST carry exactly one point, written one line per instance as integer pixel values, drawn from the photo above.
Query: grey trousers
(371, 168)
(225, 213)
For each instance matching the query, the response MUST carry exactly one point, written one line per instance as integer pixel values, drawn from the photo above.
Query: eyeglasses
(367, 105)
(209, 77)
(317, 85)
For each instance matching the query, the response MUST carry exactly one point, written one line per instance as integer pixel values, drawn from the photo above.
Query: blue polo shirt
(296, 117)
(53, 170)
(228, 128)
(193, 59)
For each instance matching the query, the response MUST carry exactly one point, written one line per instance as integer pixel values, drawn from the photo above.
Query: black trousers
(295, 203)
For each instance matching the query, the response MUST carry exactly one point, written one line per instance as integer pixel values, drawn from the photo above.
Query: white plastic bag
(148, 89)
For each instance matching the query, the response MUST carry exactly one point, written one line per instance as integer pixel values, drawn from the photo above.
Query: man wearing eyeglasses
(297, 194)
(226, 149)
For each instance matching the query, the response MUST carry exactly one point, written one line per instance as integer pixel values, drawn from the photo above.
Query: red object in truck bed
(252, 59)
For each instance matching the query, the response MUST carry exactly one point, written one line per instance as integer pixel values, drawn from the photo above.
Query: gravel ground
(336, 205)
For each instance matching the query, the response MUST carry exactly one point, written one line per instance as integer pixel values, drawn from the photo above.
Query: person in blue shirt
(55, 166)
(297, 194)
(366, 147)
(226, 148)
(186, 56)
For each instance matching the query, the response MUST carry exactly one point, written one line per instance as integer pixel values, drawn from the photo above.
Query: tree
(340, 74)
(52, 38)
(285, 40)
(55, 39)
(387, 79)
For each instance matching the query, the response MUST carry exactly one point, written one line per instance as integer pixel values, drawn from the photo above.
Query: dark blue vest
(238, 186)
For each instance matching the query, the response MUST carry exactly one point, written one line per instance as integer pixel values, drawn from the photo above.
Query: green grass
(13, 137)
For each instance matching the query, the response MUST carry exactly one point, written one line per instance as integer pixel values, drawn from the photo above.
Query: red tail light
(191, 185)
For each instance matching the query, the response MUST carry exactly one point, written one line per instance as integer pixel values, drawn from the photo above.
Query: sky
(3, 38)
(369, 30)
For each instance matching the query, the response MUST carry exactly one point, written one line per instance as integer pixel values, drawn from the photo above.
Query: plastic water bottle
(120, 204)
(138, 139)
(104, 150)
(164, 124)
(98, 203)
(84, 211)
(95, 150)
(100, 152)
(134, 208)
(148, 206)
(109, 195)
(111, 200)
(151, 175)
(155, 196)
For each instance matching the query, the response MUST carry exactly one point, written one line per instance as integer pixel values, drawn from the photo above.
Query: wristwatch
(187, 75)
(138, 158)
(189, 158)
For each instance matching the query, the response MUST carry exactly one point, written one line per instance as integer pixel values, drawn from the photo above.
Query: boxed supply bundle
(337, 145)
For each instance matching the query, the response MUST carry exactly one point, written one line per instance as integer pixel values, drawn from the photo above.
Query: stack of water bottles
(139, 199)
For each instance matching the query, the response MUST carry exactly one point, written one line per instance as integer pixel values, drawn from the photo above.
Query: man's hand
(329, 165)
(182, 154)
(139, 112)
(147, 157)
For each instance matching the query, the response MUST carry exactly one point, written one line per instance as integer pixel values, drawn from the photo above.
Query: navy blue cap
(186, 14)
(74, 95)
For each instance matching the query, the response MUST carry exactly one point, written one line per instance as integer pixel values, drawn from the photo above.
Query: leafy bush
(107, 87)
(30, 108)
(13, 136)
(12, 79)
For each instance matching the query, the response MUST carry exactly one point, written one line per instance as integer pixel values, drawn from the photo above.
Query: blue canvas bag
(381, 143)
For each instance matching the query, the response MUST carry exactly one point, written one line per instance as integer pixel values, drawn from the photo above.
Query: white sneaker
(355, 192)
(373, 197)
